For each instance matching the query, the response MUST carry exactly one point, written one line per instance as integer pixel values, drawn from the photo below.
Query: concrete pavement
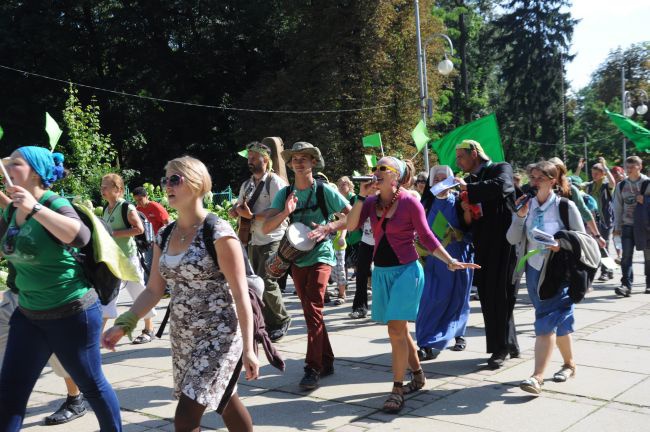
(611, 390)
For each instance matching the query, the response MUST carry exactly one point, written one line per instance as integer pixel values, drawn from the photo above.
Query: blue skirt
(554, 315)
(396, 292)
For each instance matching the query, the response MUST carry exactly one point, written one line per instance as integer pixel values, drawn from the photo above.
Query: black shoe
(610, 274)
(425, 354)
(603, 277)
(73, 407)
(277, 334)
(647, 290)
(623, 291)
(514, 352)
(497, 360)
(310, 380)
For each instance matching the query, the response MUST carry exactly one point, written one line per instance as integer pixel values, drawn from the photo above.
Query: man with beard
(490, 186)
(255, 196)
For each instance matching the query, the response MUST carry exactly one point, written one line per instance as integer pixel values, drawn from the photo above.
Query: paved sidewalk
(611, 391)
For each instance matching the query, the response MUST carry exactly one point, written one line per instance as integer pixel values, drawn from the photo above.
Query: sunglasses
(173, 180)
(420, 181)
(383, 168)
(9, 245)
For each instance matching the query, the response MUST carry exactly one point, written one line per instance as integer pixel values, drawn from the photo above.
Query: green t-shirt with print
(323, 252)
(116, 222)
(47, 276)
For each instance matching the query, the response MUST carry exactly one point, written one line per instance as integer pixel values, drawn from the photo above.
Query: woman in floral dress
(211, 319)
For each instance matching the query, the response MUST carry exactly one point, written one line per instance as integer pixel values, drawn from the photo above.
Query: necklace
(184, 237)
(392, 201)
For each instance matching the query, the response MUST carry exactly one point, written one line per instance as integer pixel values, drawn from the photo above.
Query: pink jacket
(408, 219)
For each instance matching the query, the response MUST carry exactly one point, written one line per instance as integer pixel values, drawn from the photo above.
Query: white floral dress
(205, 337)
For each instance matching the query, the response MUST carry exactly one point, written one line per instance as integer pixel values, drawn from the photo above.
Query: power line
(198, 105)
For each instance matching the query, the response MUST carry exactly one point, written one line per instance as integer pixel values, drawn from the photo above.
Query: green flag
(371, 160)
(373, 140)
(439, 226)
(243, 153)
(633, 131)
(484, 130)
(2, 132)
(420, 135)
(53, 130)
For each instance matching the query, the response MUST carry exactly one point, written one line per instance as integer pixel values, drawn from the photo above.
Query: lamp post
(627, 109)
(444, 67)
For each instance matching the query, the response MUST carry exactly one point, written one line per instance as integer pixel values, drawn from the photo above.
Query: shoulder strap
(208, 231)
(267, 183)
(644, 186)
(320, 198)
(258, 190)
(125, 213)
(564, 213)
(164, 235)
(620, 186)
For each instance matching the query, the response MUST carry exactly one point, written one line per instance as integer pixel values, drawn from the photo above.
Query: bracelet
(452, 262)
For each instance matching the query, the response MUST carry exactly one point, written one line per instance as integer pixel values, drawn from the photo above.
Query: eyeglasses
(9, 245)
(173, 180)
(383, 168)
(420, 181)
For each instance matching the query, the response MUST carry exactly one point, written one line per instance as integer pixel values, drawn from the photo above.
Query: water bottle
(618, 244)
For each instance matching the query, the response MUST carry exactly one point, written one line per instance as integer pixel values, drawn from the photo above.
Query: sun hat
(306, 148)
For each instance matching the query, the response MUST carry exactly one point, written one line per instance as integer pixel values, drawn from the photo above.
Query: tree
(531, 40)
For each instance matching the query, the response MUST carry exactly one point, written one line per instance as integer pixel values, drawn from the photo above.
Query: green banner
(633, 131)
(2, 132)
(243, 153)
(420, 135)
(371, 160)
(484, 130)
(53, 130)
(373, 140)
(439, 226)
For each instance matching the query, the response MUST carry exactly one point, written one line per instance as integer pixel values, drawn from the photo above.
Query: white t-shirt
(262, 203)
(367, 237)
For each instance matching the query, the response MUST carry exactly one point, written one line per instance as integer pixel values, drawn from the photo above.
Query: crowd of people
(417, 243)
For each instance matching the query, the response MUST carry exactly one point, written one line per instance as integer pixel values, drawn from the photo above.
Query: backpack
(320, 200)
(142, 241)
(97, 273)
(255, 282)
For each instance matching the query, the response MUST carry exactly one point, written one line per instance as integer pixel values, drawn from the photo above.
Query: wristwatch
(37, 207)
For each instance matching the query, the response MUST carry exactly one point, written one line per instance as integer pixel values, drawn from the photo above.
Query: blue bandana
(401, 165)
(40, 159)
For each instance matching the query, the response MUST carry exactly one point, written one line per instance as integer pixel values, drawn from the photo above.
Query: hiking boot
(73, 407)
(310, 380)
(623, 291)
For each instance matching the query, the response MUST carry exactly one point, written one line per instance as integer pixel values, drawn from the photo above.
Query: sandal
(565, 372)
(532, 385)
(460, 345)
(395, 401)
(418, 381)
(145, 337)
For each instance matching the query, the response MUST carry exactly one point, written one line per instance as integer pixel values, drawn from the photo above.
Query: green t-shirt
(114, 219)
(323, 252)
(47, 276)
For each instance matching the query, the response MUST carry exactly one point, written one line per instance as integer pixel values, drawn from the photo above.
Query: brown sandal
(418, 381)
(395, 401)
(565, 372)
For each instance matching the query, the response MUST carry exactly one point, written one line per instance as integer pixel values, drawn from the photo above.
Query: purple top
(409, 217)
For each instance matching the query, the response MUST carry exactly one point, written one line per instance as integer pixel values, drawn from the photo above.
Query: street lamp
(628, 110)
(444, 67)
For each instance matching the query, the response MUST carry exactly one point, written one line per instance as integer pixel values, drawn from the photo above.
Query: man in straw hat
(255, 197)
(311, 203)
(490, 186)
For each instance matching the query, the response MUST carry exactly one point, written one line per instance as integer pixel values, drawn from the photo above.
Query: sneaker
(647, 290)
(277, 334)
(73, 407)
(603, 277)
(623, 291)
(310, 380)
(610, 274)
(358, 313)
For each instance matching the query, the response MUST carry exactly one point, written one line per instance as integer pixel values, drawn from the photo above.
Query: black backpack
(145, 240)
(98, 274)
(320, 200)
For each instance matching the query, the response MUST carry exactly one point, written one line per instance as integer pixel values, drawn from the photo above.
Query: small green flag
(420, 135)
(633, 131)
(371, 160)
(522, 261)
(484, 130)
(53, 130)
(373, 140)
(2, 132)
(243, 153)
(439, 226)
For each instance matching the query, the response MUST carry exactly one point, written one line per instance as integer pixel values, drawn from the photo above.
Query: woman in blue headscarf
(58, 308)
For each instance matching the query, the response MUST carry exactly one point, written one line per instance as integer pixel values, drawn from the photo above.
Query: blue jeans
(627, 240)
(75, 341)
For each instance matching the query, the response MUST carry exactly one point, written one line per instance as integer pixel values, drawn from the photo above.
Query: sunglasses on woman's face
(383, 168)
(173, 180)
(9, 246)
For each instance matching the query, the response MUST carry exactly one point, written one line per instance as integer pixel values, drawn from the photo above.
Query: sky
(605, 25)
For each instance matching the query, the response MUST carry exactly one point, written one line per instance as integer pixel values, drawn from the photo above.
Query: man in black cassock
(489, 185)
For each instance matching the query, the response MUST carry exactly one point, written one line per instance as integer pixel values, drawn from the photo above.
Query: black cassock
(493, 189)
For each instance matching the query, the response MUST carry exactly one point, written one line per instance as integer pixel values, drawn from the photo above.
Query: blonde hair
(194, 172)
(117, 181)
(346, 180)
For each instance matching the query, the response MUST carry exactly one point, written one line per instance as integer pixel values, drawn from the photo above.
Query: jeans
(75, 341)
(364, 261)
(627, 239)
(606, 233)
(275, 313)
